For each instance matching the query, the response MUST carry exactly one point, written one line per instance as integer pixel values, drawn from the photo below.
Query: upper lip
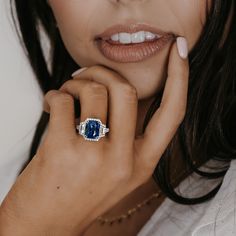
(129, 28)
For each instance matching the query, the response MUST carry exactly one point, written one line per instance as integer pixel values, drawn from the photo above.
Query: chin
(146, 93)
(148, 76)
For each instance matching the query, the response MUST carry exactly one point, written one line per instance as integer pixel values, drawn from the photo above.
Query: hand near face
(74, 180)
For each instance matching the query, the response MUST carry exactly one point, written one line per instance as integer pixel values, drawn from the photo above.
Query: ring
(92, 129)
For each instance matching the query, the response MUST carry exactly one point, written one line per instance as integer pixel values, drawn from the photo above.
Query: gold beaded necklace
(130, 212)
(147, 201)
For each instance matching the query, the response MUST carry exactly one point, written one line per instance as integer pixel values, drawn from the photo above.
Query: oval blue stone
(92, 129)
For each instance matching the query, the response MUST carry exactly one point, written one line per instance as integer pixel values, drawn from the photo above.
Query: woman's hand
(72, 181)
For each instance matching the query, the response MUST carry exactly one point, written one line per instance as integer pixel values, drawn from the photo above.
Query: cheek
(69, 13)
(74, 23)
(79, 20)
(188, 18)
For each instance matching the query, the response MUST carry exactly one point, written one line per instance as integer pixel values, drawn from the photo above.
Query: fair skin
(79, 21)
(101, 174)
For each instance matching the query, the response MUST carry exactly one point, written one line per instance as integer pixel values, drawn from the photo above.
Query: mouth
(132, 43)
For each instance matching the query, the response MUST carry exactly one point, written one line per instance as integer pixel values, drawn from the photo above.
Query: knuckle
(55, 97)
(104, 71)
(97, 68)
(49, 95)
(129, 92)
(96, 90)
(100, 69)
(68, 84)
(63, 98)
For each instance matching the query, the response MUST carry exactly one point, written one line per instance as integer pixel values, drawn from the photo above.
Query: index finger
(61, 108)
(165, 122)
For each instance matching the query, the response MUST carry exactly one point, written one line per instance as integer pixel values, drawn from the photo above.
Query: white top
(213, 218)
(21, 106)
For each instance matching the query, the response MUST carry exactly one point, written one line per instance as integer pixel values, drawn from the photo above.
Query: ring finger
(93, 98)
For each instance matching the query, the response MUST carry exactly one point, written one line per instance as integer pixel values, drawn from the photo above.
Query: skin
(79, 21)
(126, 155)
(85, 191)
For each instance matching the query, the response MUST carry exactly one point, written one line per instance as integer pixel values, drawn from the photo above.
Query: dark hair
(208, 130)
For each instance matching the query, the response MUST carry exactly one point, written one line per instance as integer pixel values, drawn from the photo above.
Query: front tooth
(115, 37)
(125, 38)
(138, 37)
(149, 36)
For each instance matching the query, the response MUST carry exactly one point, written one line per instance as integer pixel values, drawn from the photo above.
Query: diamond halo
(92, 129)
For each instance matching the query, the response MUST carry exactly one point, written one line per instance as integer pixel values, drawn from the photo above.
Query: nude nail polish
(78, 71)
(182, 46)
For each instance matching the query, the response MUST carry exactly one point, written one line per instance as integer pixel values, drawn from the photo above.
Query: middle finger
(92, 96)
(122, 104)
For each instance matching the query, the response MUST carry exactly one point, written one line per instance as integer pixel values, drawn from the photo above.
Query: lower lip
(125, 53)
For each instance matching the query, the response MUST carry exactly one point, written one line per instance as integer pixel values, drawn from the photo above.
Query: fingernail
(78, 71)
(182, 46)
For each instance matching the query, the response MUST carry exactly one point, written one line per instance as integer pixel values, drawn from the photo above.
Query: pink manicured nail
(182, 46)
(79, 71)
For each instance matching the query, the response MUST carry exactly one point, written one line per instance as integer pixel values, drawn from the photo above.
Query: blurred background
(20, 102)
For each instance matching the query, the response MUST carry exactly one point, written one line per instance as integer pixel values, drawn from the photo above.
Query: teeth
(150, 36)
(138, 37)
(125, 38)
(115, 37)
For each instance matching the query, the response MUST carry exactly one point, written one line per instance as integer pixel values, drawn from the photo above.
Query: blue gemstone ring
(92, 129)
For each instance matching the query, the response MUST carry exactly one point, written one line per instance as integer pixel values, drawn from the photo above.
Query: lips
(133, 52)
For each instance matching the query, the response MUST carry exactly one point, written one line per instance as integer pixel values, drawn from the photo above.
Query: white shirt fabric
(216, 217)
